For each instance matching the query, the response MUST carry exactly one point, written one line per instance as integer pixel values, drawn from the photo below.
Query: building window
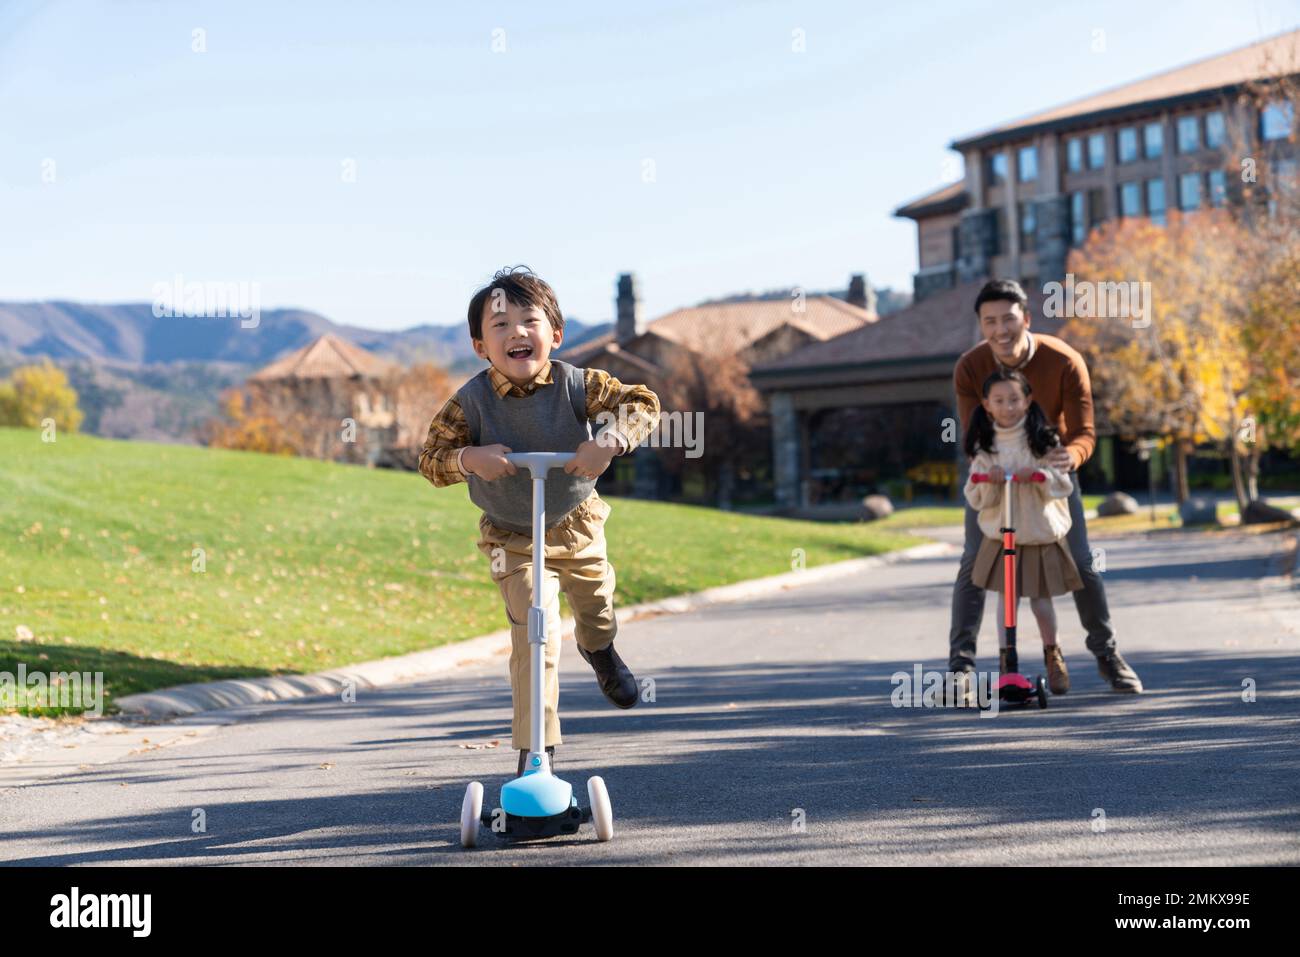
(1096, 207)
(1000, 239)
(1218, 188)
(1096, 151)
(1153, 136)
(1275, 121)
(1027, 163)
(1130, 199)
(1215, 131)
(1074, 155)
(1189, 191)
(997, 168)
(1156, 201)
(1189, 134)
(1126, 142)
(1283, 183)
(1028, 228)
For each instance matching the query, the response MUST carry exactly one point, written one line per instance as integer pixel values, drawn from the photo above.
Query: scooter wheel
(470, 810)
(602, 815)
(1040, 686)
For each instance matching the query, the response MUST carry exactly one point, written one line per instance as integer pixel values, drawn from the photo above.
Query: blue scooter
(537, 803)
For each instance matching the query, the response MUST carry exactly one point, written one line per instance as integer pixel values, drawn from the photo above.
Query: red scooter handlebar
(978, 477)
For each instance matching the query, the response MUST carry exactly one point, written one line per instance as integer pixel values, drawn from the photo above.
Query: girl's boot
(1058, 678)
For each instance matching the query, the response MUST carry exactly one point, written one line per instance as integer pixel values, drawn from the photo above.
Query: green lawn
(928, 516)
(308, 565)
(1166, 515)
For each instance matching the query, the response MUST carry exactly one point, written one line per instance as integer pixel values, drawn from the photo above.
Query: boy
(527, 402)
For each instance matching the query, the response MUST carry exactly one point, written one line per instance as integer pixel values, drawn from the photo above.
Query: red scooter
(1014, 689)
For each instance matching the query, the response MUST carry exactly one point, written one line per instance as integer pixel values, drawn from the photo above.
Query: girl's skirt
(1041, 570)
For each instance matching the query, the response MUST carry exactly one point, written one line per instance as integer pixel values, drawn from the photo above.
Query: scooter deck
(519, 828)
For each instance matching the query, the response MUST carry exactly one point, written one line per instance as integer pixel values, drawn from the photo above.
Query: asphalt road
(771, 740)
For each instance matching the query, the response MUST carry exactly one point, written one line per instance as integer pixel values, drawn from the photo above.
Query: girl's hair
(979, 433)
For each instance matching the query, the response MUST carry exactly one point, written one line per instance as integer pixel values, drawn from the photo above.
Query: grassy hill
(307, 565)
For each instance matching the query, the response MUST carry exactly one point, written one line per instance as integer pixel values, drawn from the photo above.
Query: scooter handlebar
(978, 477)
(539, 463)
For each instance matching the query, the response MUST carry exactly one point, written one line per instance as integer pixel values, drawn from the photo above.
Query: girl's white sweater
(1039, 512)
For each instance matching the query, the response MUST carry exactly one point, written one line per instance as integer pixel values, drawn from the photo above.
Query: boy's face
(517, 341)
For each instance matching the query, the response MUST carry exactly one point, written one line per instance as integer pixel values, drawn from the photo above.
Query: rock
(1118, 503)
(876, 506)
(1260, 513)
(1199, 510)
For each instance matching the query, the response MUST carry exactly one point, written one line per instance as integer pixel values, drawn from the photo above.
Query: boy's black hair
(996, 290)
(1042, 435)
(521, 286)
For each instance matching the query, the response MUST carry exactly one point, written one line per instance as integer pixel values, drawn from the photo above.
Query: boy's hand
(488, 462)
(996, 475)
(591, 459)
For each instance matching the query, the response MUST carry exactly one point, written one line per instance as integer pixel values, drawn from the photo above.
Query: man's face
(1005, 325)
(517, 341)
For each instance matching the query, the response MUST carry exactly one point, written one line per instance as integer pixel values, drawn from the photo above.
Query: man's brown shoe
(1119, 673)
(1058, 678)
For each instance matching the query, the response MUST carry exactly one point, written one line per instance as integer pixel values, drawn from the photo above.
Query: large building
(1035, 187)
(869, 410)
(338, 388)
(754, 329)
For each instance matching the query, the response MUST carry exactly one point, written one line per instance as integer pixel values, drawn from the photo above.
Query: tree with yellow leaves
(1182, 370)
(36, 393)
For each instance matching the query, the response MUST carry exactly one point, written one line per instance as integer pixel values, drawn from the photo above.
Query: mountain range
(141, 376)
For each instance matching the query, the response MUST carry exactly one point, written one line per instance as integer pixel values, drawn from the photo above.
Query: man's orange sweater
(1059, 379)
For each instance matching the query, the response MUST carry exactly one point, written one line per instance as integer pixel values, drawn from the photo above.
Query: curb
(219, 695)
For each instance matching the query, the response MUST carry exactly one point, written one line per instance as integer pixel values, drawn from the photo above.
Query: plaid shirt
(449, 432)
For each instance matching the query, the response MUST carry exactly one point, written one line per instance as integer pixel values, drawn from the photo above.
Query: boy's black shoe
(615, 679)
(523, 756)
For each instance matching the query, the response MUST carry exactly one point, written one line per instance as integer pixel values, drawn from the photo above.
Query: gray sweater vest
(552, 419)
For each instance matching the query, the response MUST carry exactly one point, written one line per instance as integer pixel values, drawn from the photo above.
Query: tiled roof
(941, 325)
(592, 347)
(329, 357)
(733, 326)
(954, 195)
(1278, 55)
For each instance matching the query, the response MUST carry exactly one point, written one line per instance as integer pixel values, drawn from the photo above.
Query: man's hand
(1059, 459)
(488, 462)
(996, 475)
(590, 459)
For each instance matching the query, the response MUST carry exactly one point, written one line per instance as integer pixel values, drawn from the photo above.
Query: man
(1059, 379)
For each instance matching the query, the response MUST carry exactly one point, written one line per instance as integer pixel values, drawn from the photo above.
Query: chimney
(628, 324)
(860, 294)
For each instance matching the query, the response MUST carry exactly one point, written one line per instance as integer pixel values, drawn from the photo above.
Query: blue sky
(771, 168)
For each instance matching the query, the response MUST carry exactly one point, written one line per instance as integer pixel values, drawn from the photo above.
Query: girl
(1009, 434)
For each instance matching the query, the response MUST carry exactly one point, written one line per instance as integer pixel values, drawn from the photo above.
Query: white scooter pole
(538, 464)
